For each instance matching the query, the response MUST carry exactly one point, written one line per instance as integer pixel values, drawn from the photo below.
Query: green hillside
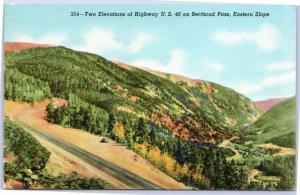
(277, 126)
(200, 109)
(179, 122)
(23, 87)
(237, 108)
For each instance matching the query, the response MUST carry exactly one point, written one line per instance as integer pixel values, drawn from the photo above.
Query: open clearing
(279, 150)
(77, 150)
(226, 144)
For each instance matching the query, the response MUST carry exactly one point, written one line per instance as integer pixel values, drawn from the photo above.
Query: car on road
(104, 140)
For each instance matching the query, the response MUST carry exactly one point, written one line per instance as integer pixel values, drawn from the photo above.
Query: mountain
(188, 84)
(18, 46)
(202, 111)
(189, 129)
(266, 105)
(277, 126)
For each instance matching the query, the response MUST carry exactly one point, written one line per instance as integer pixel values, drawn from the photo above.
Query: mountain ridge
(267, 104)
(261, 104)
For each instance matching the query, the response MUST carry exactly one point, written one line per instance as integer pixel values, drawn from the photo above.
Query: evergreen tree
(180, 152)
(129, 136)
(243, 178)
(230, 174)
(142, 131)
(219, 169)
(111, 123)
(152, 136)
(208, 170)
(50, 112)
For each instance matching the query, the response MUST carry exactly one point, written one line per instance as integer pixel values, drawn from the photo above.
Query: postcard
(150, 96)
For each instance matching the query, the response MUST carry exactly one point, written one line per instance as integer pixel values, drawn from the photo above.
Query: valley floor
(76, 150)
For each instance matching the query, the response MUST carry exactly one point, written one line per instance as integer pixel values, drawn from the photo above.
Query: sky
(255, 56)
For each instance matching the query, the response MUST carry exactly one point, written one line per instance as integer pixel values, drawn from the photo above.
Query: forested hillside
(277, 126)
(191, 112)
(237, 108)
(176, 125)
(25, 160)
(19, 86)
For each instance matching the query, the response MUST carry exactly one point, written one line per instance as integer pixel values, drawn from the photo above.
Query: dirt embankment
(62, 161)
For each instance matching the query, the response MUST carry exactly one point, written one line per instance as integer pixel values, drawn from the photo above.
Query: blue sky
(253, 55)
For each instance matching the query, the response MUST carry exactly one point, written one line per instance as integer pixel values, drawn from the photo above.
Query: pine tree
(50, 112)
(129, 136)
(208, 170)
(111, 124)
(142, 131)
(152, 136)
(243, 178)
(235, 176)
(230, 175)
(219, 168)
(180, 152)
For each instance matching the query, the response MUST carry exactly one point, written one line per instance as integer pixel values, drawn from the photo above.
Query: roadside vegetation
(25, 161)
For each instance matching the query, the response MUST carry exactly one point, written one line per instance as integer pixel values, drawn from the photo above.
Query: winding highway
(130, 179)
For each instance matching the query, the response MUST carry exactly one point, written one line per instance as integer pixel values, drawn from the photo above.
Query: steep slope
(266, 105)
(237, 108)
(277, 126)
(192, 112)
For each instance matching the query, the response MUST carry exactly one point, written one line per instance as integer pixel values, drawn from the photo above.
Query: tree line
(19, 86)
(129, 130)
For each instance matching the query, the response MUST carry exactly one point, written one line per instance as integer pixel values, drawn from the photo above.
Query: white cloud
(148, 63)
(139, 42)
(266, 38)
(272, 80)
(48, 39)
(98, 40)
(102, 40)
(280, 79)
(215, 66)
(287, 65)
(247, 88)
(176, 61)
(174, 65)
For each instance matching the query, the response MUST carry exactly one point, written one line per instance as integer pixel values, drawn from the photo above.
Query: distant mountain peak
(19, 46)
(267, 104)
